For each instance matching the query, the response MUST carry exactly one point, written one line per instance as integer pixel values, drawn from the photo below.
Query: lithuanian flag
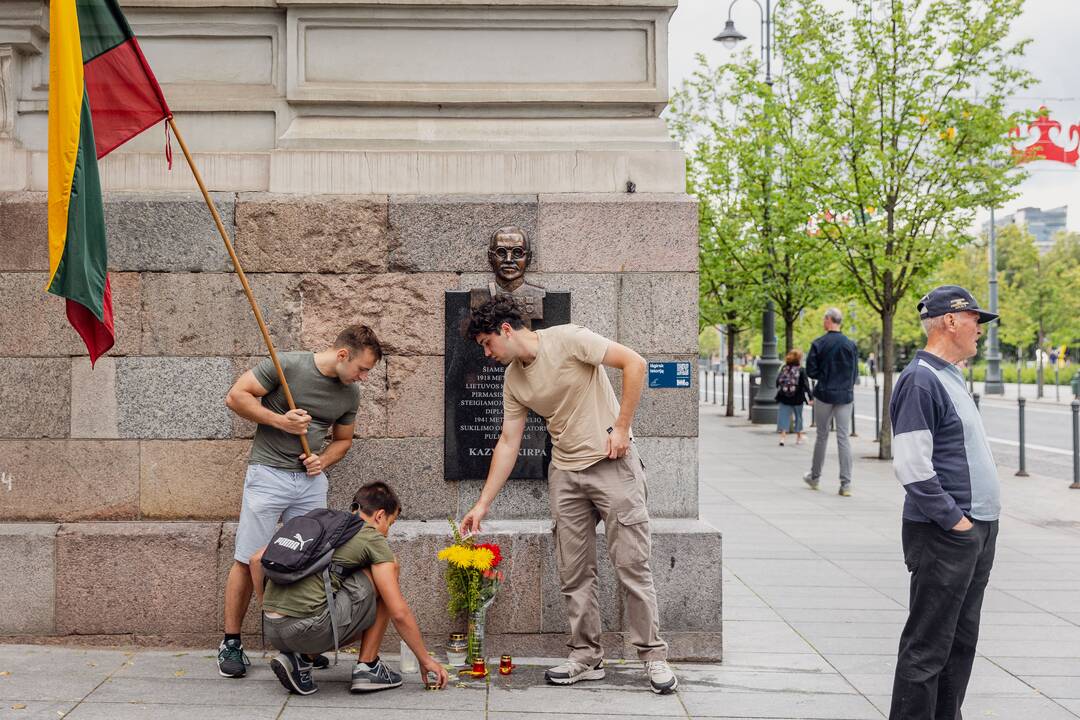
(101, 94)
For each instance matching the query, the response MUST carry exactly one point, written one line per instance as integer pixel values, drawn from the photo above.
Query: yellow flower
(457, 555)
(482, 558)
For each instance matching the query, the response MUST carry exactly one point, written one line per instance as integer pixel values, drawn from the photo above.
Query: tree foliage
(903, 126)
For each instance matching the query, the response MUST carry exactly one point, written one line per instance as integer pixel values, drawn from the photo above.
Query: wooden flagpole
(240, 273)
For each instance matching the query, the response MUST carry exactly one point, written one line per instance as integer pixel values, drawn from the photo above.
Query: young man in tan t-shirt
(595, 474)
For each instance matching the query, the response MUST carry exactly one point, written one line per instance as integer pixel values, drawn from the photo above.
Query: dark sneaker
(231, 660)
(572, 671)
(661, 680)
(810, 480)
(294, 672)
(320, 662)
(845, 491)
(379, 677)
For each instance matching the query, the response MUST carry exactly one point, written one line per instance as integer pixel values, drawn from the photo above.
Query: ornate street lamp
(764, 408)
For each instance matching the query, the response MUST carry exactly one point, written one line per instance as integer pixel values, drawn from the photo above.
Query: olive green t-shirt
(567, 386)
(328, 400)
(307, 597)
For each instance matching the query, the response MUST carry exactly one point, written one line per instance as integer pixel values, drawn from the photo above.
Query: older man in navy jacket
(942, 458)
(833, 361)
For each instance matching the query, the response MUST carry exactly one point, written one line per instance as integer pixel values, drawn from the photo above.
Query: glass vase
(475, 640)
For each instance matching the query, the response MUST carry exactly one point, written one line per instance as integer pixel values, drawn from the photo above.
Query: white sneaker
(661, 679)
(808, 478)
(572, 671)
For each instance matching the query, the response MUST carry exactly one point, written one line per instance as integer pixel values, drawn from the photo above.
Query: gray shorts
(272, 494)
(354, 610)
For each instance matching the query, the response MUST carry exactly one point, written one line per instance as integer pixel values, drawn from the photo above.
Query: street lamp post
(993, 384)
(764, 408)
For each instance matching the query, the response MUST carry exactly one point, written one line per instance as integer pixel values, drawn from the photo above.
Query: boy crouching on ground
(298, 623)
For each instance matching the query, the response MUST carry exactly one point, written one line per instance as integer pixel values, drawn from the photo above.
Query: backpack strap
(330, 605)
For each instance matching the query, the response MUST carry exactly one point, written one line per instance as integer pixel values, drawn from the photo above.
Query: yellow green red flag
(101, 94)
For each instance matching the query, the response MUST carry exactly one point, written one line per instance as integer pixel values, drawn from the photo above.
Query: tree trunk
(729, 406)
(789, 333)
(1039, 363)
(888, 360)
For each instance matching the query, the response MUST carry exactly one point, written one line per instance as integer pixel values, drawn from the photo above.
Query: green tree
(907, 132)
(725, 118)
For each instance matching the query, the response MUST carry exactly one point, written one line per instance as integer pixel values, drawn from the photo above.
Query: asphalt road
(1048, 429)
(1048, 442)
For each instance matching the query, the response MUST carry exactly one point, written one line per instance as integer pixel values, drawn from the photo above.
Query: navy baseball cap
(951, 299)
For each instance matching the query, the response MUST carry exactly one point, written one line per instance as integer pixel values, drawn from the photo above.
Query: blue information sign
(669, 374)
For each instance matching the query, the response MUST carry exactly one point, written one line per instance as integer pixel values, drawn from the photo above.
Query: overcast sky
(1052, 25)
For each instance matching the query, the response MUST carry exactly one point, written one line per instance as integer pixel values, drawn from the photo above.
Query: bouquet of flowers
(472, 579)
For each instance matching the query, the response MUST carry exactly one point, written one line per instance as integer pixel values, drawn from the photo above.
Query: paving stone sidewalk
(814, 599)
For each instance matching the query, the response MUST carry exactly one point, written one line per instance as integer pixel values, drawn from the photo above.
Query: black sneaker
(379, 677)
(232, 662)
(571, 672)
(319, 662)
(294, 672)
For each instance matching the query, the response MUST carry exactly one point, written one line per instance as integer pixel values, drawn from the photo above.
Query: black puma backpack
(305, 546)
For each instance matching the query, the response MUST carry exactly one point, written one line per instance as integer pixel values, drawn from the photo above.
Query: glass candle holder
(456, 650)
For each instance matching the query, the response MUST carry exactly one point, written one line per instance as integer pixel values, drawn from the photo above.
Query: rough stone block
(324, 233)
(42, 328)
(658, 312)
(24, 232)
(518, 500)
(209, 314)
(153, 578)
(406, 311)
(451, 233)
(93, 398)
(411, 466)
(517, 608)
(593, 296)
(226, 547)
(553, 611)
(28, 598)
(173, 397)
(414, 397)
(36, 396)
(417, 546)
(617, 232)
(167, 231)
(686, 565)
(192, 480)
(666, 412)
(671, 468)
(69, 480)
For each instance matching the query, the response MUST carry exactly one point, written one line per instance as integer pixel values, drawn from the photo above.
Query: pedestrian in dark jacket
(834, 362)
(792, 392)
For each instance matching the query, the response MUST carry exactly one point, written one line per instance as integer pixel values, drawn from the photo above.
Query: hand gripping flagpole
(240, 273)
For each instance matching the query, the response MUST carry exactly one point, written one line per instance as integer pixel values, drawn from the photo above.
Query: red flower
(494, 551)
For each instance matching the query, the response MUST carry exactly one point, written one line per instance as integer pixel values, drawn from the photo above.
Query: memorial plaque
(473, 398)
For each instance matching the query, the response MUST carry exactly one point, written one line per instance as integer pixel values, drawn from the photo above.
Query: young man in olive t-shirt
(595, 474)
(282, 482)
(297, 616)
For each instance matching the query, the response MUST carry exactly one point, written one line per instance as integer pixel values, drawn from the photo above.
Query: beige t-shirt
(567, 386)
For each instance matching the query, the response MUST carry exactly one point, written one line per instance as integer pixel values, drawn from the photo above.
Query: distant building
(1042, 224)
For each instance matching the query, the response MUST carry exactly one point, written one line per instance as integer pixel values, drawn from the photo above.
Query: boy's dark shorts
(354, 612)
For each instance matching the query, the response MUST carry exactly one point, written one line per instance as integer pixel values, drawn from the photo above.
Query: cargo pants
(613, 491)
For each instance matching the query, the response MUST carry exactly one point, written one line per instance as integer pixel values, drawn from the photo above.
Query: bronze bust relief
(510, 255)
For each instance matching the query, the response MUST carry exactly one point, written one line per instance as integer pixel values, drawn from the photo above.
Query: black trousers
(949, 572)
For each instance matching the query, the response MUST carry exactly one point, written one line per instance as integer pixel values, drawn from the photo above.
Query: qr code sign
(682, 368)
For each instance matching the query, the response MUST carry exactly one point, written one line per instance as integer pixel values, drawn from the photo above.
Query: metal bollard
(1022, 472)
(853, 433)
(1075, 405)
(971, 378)
(714, 388)
(1057, 384)
(975, 397)
(742, 392)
